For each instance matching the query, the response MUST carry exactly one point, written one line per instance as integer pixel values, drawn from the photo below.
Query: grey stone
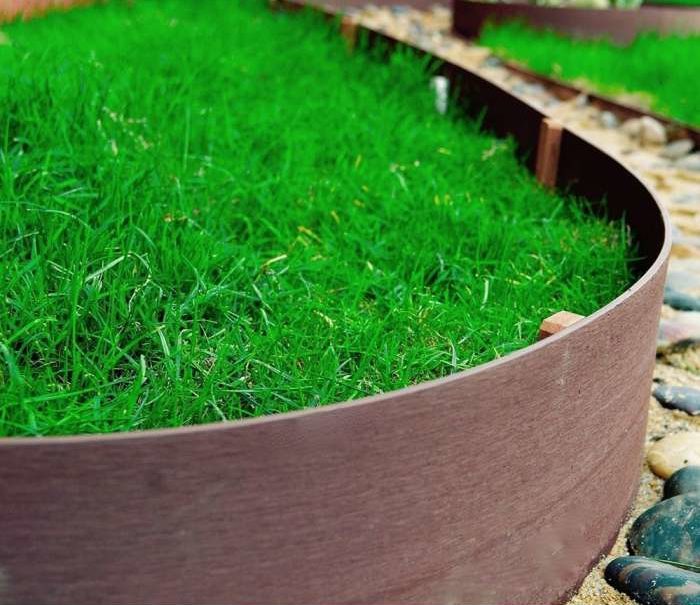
(581, 100)
(684, 274)
(609, 120)
(683, 481)
(651, 582)
(680, 331)
(492, 61)
(681, 300)
(533, 89)
(686, 399)
(400, 9)
(690, 162)
(677, 149)
(686, 198)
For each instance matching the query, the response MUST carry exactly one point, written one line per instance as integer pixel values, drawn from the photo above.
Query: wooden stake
(348, 30)
(557, 322)
(548, 152)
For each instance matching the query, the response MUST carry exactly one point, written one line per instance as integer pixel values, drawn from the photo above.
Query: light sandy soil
(673, 186)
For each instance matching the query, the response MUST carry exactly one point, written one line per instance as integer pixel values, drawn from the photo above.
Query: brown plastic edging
(469, 17)
(620, 25)
(497, 485)
(28, 9)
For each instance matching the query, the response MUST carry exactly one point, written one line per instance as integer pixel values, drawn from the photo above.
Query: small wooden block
(557, 322)
(348, 30)
(548, 146)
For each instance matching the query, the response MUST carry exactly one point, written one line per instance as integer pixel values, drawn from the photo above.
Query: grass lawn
(213, 211)
(676, 2)
(665, 68)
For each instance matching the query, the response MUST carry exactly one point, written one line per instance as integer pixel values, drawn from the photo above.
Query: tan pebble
(674, 452)
(652, 132)
(632, 128)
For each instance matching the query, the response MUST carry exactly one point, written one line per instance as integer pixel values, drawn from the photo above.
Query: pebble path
(671, 168)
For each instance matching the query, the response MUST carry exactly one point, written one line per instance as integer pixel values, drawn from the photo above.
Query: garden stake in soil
(548, 152)
(558, 322)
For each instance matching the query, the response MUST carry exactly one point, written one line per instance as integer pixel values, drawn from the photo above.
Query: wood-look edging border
(501, 484)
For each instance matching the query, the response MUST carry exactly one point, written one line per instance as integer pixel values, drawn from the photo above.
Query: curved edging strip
(622, 25)
(500, 485)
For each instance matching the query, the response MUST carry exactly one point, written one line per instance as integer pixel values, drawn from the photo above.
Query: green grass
(676, 2)
(212, 211)
(664, 68)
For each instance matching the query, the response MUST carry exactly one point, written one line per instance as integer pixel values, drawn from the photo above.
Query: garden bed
(286, 238)
(619, 25)
(656, 70)
(416, 495)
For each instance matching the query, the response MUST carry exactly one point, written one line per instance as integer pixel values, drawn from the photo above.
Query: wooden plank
(548, 147)
(557, 322)
(348, 30)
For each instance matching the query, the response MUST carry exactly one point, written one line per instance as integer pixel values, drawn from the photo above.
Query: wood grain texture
(558, 322)
(548, 152)
(622, 26)
(498, 485)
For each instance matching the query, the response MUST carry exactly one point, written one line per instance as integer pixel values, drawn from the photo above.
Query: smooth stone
(683, 330)
(680, 300)
(682, 398)
(681, 280)
(674, 452)
(685, 265)
(675, 232)
(650, 582)
(690, 162)
(678, 237)
(652, 131)
(609, 120)
(581, 101)
(677, 149)
(632, 127)
(686, 198)
(669, 530)
(689, 269)
(526, 88)
(683, 481)
(492, 61)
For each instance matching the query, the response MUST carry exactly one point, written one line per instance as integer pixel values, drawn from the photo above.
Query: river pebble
(674, 452)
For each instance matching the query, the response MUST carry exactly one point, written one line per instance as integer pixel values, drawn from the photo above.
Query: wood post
(548, 152)
(348, 30)
(557, 322)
